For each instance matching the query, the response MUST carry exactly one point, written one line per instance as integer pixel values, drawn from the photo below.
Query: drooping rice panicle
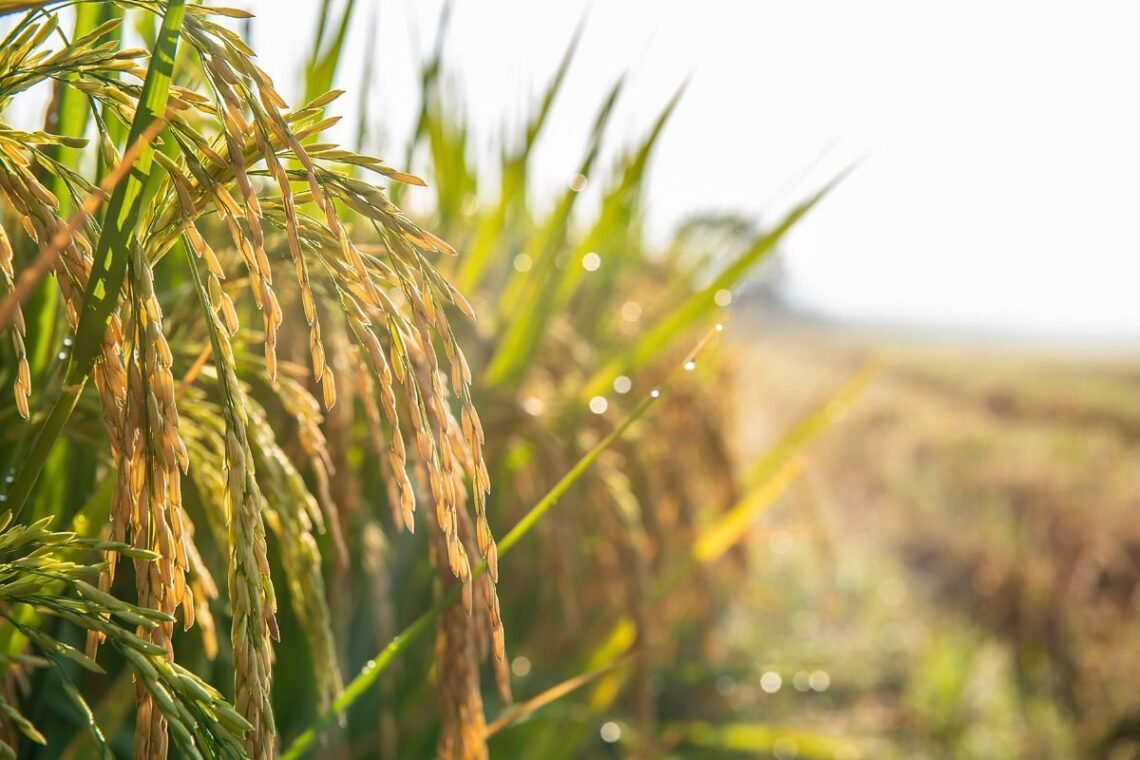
(306, 410)
(54, 582)
(463, 730)
(22, 388)
(230, 158)
(149, 495)
(252, 599)
(290, 511)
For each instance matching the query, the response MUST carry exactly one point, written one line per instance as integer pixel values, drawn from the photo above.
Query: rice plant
(215, 169)
(579, 322)
(281, 385)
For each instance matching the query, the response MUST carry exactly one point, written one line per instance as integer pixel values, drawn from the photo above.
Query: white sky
(1001, 185)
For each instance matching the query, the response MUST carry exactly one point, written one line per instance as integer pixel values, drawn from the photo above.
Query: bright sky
(1001, 181)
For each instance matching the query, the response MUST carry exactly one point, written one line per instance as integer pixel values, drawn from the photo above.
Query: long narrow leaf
(518, 712)
(512, 194)
(325, 57)
(701, 303)
(533, 293)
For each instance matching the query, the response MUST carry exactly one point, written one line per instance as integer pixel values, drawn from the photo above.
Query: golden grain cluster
(268, 216)
(280, 391)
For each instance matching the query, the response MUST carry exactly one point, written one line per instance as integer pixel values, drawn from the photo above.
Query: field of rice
(960, 556)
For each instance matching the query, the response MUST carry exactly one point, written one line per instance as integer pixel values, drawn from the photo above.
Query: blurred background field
(960, 556)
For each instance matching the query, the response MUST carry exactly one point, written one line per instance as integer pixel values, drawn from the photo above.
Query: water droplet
(62, 355)
(598, 405)
(520, 666)
(723, 297)
(622, 384)
(771, 682)
(523, 263)
(9, 478)
(610, 732)
(631, 311)
(591, 261)
(690, 365)
(3, 497)
(655, 393)
(67, 342)
(578, 182)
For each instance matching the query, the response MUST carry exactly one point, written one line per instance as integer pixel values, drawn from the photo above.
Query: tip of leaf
(228, 12)
(407, 179)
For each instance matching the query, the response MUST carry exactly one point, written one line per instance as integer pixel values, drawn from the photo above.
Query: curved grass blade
(111, 253)
(819, 419)
(515, 713)
(702, 302)
(125, 206)
(777, 469)
(325, 57)
(512, 194)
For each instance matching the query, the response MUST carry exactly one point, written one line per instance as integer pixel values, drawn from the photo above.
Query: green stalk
(111, 254)
(28, 473)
